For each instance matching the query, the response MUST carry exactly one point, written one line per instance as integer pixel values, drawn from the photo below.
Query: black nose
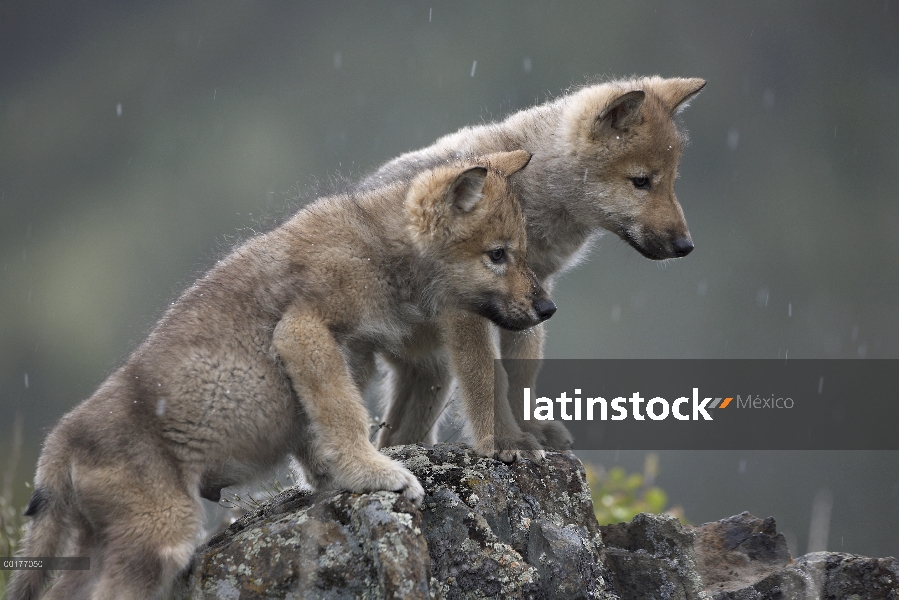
(545, 308)
(682, 246)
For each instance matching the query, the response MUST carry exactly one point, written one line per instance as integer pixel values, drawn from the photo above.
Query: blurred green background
(138, 141)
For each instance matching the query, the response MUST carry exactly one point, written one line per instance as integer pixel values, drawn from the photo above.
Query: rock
(826, 575)
(485, 530)
(523, 530)
(652, 557)
(735, 553)
(851, 577)
(330, 545)
(526, 530)
(738, 558)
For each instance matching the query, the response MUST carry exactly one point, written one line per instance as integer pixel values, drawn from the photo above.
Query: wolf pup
(604, 158)
(264, 357)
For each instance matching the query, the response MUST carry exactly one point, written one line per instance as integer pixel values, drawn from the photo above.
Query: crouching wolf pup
(264, 357)
(604, 158)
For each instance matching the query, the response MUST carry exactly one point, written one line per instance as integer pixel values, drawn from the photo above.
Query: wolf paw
(510, 448)
(551, 435)
(382, 473)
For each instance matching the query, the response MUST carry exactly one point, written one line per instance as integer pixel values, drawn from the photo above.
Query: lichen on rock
(520, 530)
(487, 529)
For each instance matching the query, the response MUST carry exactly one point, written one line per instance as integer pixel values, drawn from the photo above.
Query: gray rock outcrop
(486, 529)
(738, 558)
(492, 530)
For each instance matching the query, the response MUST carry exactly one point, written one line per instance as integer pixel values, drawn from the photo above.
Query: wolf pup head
(624, 140)
(468, 218)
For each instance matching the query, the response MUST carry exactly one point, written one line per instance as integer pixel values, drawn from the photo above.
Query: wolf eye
(497, 255)
(641, 183)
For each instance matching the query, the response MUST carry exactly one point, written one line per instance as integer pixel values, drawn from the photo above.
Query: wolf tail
(49, 510)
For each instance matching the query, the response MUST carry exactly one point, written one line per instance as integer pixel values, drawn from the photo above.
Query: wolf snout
(682, 246)
(545, 308)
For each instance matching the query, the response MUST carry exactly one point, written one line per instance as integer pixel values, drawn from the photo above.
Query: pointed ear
(678, 93)
(508, 163)
(433, 198)
(466, 190)
(621, 114)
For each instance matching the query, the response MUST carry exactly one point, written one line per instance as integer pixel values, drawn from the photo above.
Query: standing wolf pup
(604, 158)
(264, 357)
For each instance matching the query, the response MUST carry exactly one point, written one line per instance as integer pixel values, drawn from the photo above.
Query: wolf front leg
(521, 352)
(338, 420)
(417, 390)
(472, 353)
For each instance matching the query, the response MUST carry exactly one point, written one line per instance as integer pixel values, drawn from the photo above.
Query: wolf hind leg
(76, 585)
(71, 585)
(142, 560)
(141, 533)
